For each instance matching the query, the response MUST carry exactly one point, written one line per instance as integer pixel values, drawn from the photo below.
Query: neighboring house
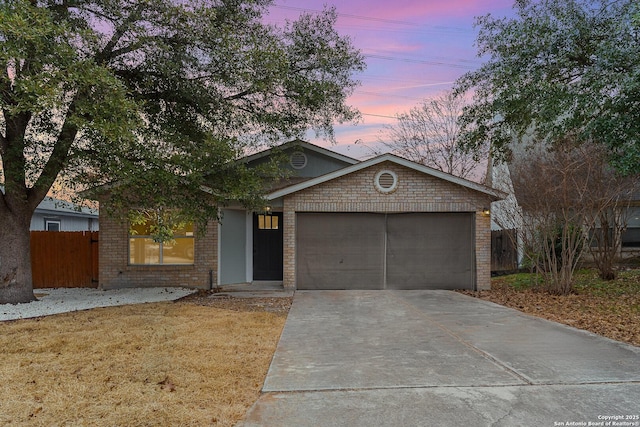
(631, 236)
(506, 214)
(337, 223)
(58, 215)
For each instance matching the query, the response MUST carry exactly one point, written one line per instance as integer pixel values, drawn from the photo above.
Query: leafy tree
(429, 134)
(152, 99)
(569, 68)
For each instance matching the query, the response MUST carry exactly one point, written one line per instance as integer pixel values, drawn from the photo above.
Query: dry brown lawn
(178, 364)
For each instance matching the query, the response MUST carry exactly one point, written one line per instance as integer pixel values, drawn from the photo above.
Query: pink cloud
(430, 45)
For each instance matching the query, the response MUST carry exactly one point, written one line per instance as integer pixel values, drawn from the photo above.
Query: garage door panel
(340, 251)
(394, 251)
(430, 251)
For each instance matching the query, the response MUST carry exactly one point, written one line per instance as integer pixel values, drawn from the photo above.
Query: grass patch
(518, 281)
(608, 308)
(139, 365)
(626, 284)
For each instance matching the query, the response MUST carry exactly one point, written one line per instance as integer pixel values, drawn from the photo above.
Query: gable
(303, 160)
(415, 192)
(374, 164)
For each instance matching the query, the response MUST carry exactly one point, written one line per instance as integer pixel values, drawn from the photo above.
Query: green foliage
(154, 101)
(559, 69)
(518, 281)
(161, 224)
(587, 282)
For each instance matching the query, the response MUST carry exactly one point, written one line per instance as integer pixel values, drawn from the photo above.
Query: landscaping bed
(608, 308)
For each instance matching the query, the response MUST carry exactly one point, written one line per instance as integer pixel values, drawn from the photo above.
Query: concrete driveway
(438, 358)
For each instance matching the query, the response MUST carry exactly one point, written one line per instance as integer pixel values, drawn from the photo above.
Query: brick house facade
(116, 271)
(344, 186)
(416, 192)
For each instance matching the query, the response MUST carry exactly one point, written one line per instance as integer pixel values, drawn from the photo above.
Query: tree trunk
(16, 285)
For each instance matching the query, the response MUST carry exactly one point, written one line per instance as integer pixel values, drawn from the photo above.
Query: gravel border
(62, 300)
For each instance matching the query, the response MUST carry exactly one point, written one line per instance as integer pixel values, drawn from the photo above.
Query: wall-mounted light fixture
(486, 211)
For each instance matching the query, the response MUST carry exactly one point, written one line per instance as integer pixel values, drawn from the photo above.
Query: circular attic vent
(386, 181)
(298, 160)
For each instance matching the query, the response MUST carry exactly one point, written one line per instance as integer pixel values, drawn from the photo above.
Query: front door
(267, 246)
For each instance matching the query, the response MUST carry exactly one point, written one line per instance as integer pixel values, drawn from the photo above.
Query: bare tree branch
(429, 134)
(570, 201)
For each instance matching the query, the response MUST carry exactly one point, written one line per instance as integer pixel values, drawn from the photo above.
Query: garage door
(340, 251)
(385, 251)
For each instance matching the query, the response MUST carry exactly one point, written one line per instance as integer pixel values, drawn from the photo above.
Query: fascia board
(305, 145)
(497, 194)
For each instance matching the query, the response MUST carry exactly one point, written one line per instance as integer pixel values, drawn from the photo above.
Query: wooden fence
(504, 253)
(64, 259)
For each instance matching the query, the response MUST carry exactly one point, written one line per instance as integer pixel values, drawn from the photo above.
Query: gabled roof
(60, 207)
(49, 205)
(52, 206)
(496, 194)
(306, 146)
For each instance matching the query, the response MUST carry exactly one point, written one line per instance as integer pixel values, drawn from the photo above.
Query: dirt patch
(279, 306)
(610, 309)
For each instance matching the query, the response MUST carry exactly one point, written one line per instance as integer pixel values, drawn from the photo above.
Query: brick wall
(115, 271)
(416, 192)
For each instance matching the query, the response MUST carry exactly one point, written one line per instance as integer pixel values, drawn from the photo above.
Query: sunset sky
(413, 48)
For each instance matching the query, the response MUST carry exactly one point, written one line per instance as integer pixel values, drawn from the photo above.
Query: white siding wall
(67, 223)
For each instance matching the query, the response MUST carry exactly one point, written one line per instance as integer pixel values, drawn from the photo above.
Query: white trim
(48, 221)
(380, 188)
(497, 194)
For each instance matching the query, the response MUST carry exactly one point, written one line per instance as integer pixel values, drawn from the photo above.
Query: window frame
(262, 222)
(162, 246)
(50, 221)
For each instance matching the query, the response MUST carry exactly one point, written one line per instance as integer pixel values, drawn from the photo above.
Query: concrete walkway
(438, 358)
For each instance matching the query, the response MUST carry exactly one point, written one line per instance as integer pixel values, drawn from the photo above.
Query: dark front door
(267, 246)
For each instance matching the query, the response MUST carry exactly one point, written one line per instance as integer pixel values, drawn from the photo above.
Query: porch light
(486, 211)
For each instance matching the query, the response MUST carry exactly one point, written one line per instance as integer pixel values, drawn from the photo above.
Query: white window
(51, 224)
